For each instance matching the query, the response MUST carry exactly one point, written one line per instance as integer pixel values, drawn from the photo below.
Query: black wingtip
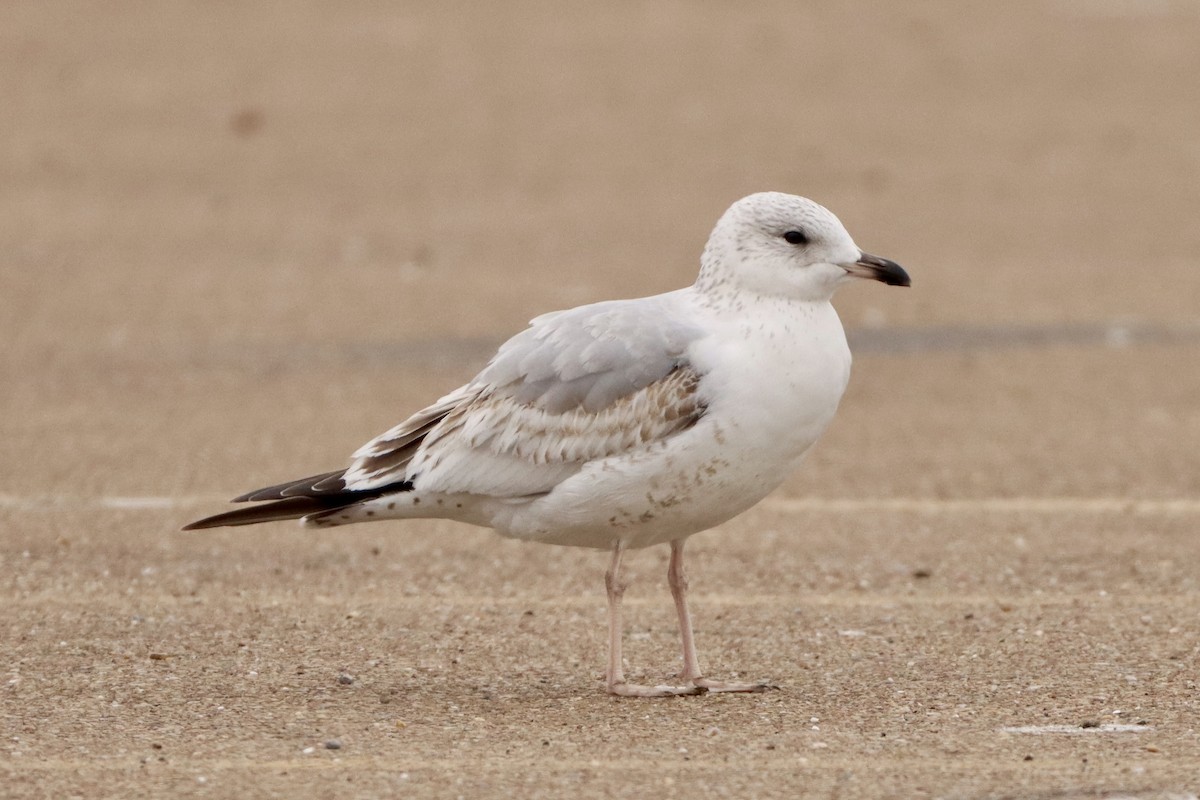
(286, 505)
(290, 508)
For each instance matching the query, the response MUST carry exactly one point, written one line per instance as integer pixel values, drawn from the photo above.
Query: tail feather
(317, 494)
(288, 508)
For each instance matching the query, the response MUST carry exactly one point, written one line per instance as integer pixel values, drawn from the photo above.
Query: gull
(628, 423)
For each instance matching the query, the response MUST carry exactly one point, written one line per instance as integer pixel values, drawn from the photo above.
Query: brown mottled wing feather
(390, 453)
(575, 386)
(497, 446)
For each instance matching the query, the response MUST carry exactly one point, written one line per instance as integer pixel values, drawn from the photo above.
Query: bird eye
(796, 237)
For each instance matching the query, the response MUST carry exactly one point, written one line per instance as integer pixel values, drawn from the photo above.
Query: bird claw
(695, 687)
(724, 686)
(638, 690)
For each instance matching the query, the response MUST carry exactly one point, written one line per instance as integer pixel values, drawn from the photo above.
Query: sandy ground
(236, 240)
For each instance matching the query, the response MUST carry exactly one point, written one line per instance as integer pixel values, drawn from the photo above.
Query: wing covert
(575, 386)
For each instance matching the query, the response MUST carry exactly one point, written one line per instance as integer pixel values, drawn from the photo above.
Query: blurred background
(238, 238)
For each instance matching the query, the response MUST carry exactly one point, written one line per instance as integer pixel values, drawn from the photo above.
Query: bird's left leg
(691, 661)
(615, 677)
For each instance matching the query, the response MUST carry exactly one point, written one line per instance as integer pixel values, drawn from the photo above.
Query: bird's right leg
(677, 579)
(616, 670)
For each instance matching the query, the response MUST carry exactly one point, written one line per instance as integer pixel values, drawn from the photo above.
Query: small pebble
(333, 744)
(345, 678)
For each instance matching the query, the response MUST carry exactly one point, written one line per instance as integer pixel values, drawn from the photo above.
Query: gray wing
(575, 386)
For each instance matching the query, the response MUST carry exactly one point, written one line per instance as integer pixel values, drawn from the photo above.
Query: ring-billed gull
(627, 423)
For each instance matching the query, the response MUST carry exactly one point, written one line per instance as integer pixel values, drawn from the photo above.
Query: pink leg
(616, 670)
(677, 578)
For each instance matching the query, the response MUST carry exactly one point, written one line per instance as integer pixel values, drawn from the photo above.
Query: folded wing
(575, 386)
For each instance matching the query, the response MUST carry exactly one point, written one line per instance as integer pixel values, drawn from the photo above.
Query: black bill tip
(879, 269)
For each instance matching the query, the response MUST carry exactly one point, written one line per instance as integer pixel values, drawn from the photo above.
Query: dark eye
(796, 237)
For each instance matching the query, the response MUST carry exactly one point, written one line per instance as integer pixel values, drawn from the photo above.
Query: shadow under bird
(628, 423)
